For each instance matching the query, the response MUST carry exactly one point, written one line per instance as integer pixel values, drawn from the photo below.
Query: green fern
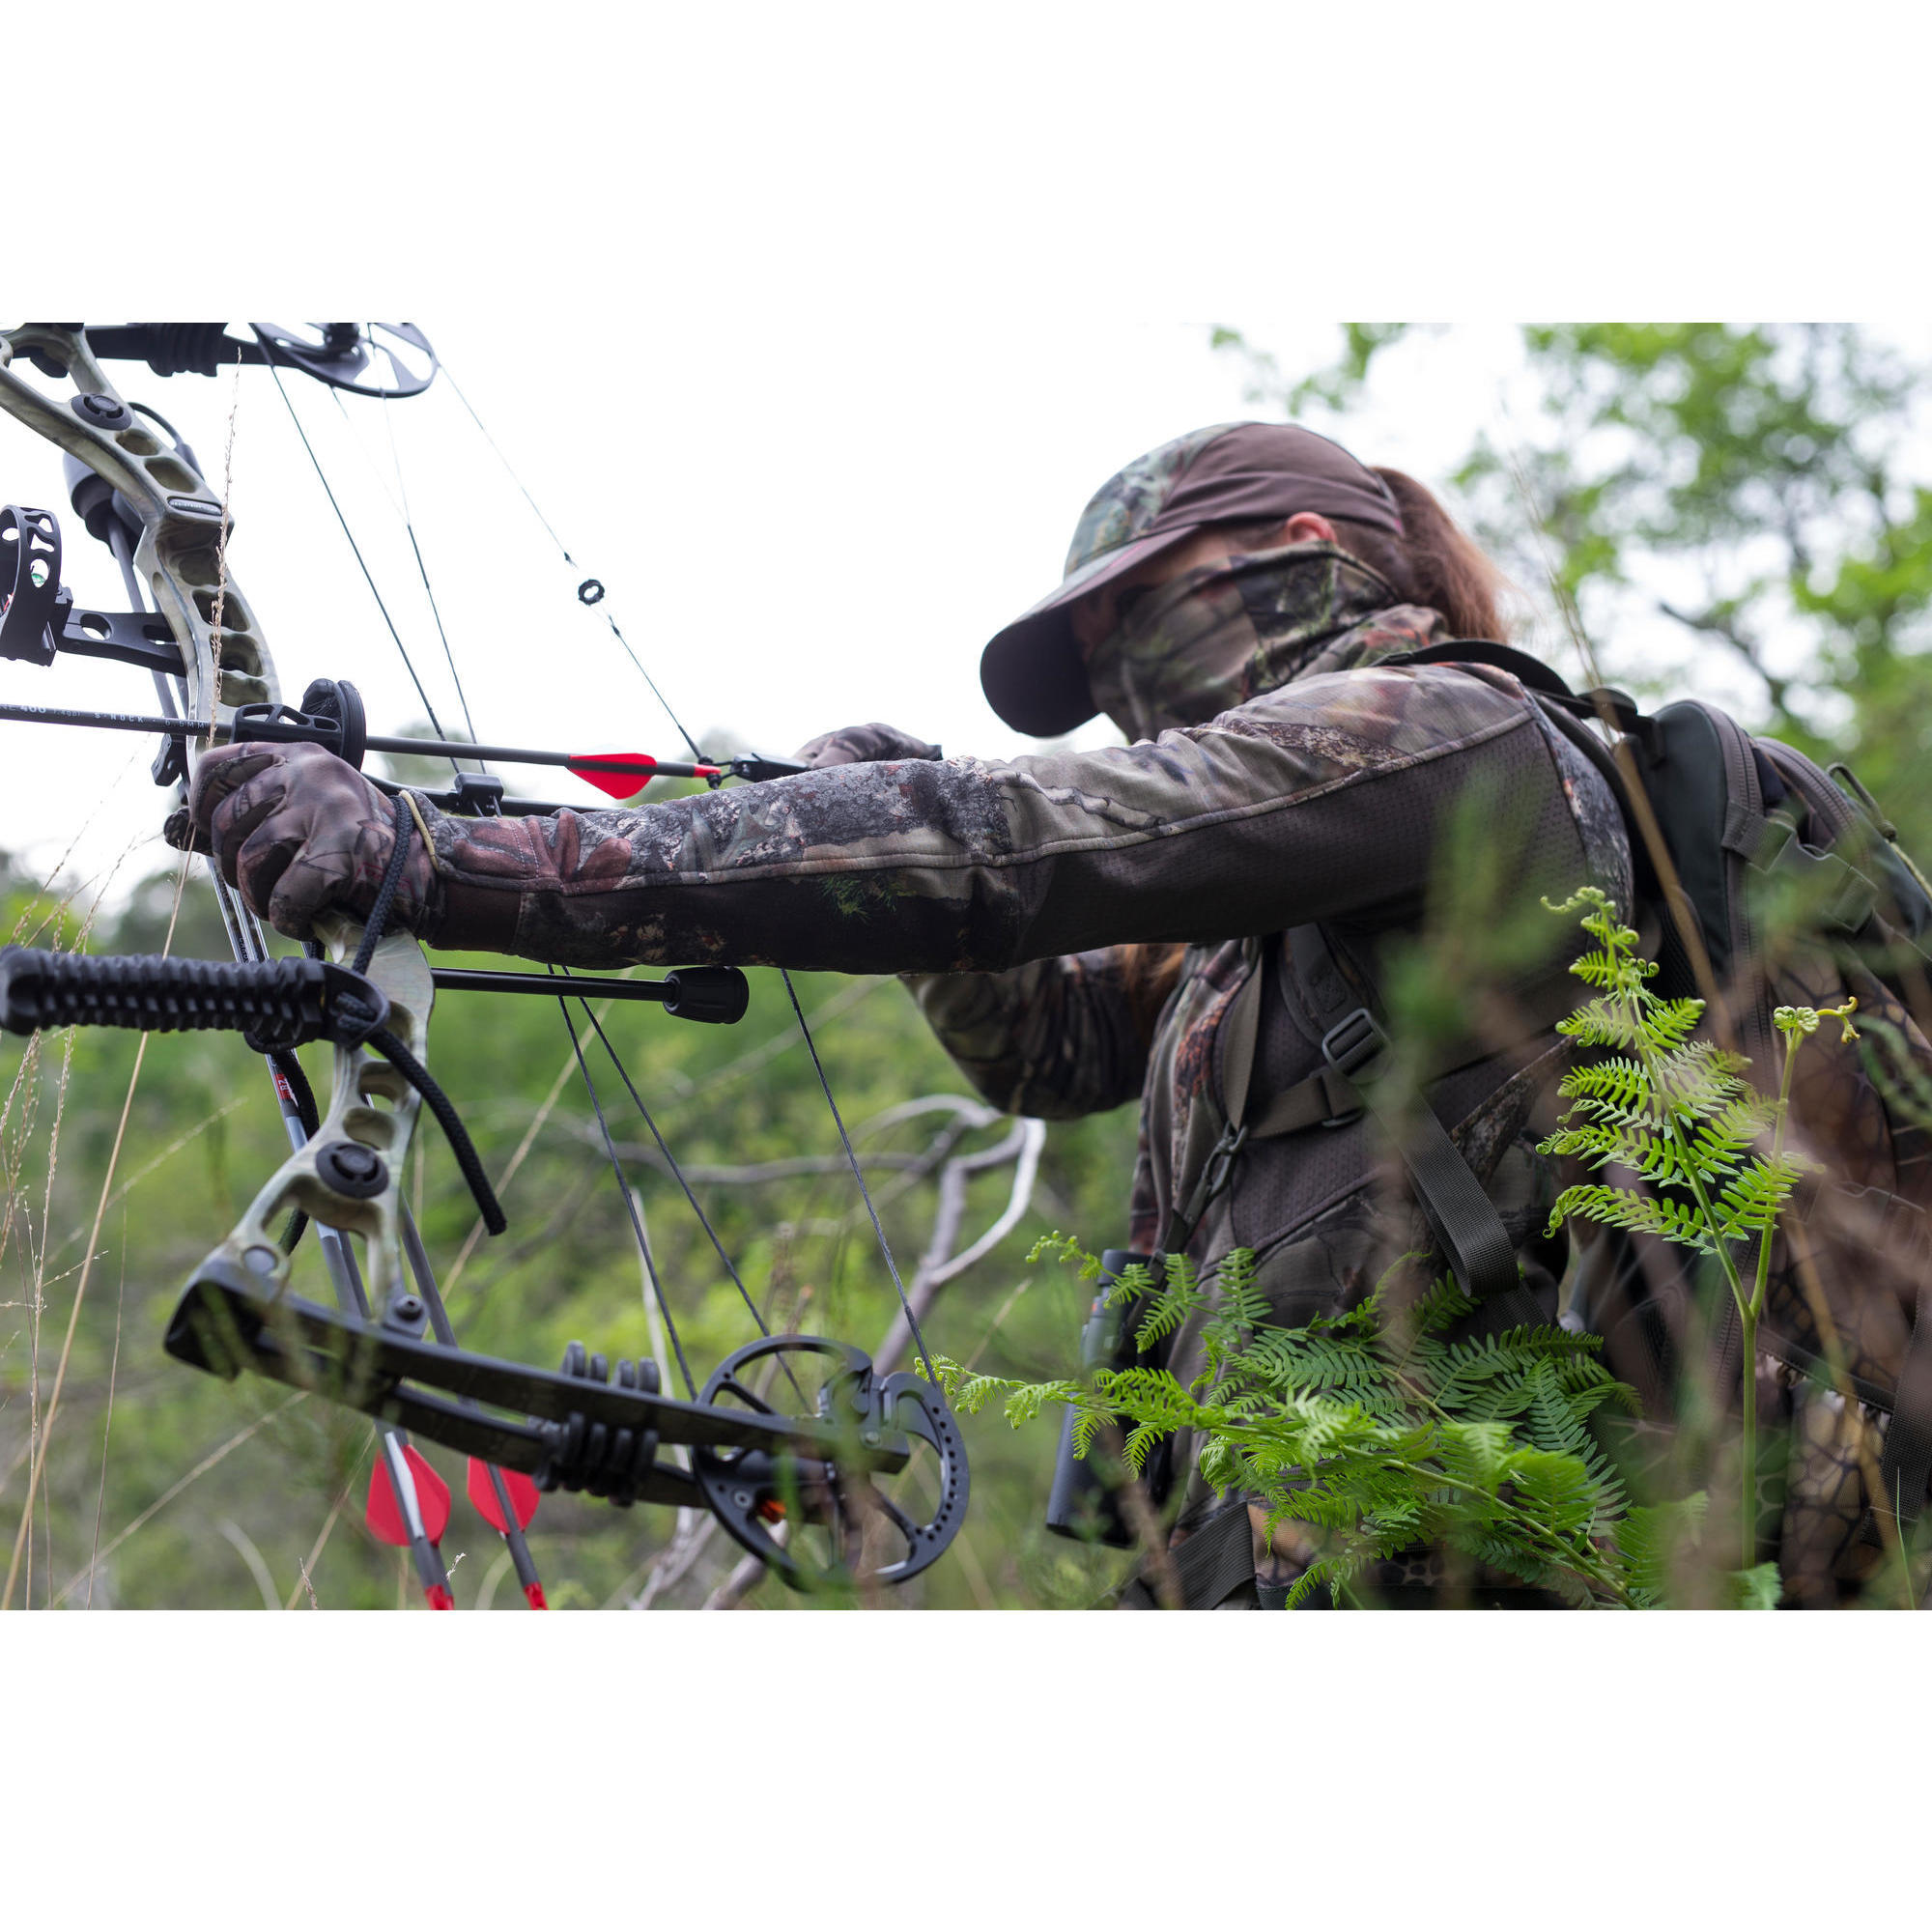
(1679, 1113)
(1380, 1429)
(1373, 1429)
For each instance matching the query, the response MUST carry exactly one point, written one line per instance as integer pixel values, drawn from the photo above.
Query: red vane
(533, 1592)
(439, 1597)
(384, 1514)
(625, 773)
(521, 1491)
(618, 774)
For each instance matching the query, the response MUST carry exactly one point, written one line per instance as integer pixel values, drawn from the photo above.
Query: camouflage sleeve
(1319, 800)
(1055, 1039)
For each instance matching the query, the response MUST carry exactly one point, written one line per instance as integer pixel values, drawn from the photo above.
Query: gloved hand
(297, 832)
(863, 745)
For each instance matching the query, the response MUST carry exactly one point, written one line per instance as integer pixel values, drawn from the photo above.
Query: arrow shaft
(281, 731)
(516, 754)
(103, 721)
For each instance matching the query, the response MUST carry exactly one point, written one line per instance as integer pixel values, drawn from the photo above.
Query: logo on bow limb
(794, 1442)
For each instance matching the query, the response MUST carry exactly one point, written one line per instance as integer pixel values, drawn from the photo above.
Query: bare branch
(938, 1265)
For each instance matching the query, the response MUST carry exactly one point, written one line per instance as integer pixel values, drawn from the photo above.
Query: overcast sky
(811, 330)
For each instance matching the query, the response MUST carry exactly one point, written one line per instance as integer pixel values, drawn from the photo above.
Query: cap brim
(1031, 673)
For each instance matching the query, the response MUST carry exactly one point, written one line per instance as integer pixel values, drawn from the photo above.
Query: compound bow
(754, 1458)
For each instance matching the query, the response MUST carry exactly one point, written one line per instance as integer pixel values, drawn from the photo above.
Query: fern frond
(1617, 1082)
(1658, 1158)
(1669, 1023)
(1179, 1296)
(1753, 1202)
(1639, 1213)
(1445, 1302)
(1241, 1300)
(1648, 1539)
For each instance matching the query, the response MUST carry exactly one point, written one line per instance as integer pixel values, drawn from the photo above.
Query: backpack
(1780, 883)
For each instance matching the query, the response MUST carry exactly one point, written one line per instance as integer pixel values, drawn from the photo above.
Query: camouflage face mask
(1217, 636)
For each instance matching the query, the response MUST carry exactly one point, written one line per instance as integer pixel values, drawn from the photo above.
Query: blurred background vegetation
(1734, 510)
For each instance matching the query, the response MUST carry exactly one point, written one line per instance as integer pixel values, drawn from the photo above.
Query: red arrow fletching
(384, 1514)
(618, 773)
(521, 1491)
(625, 773)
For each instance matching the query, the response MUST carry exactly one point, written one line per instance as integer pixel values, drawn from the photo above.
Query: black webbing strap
(1605, 703)
(1463, 1218)
(1208, 1567)
(1906, 1464)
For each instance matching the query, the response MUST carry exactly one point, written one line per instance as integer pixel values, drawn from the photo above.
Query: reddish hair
(1432, 562)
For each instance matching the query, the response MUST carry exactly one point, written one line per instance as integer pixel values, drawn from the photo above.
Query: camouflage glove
(298, 832)
(863, 745)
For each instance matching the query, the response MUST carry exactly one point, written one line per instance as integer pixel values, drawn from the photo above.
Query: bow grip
(274, 1004)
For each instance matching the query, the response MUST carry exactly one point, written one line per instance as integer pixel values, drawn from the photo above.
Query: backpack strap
(1906, 1463)
(1605, 703)
(1463, 1218)
(1214, 1563)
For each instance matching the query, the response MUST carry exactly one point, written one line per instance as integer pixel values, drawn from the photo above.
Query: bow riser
(377, 1136)
(178, 551)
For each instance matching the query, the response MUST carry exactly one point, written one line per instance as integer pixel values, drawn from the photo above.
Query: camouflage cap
(1229, 472)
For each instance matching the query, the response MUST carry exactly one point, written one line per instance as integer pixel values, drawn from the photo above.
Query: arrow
(503, 1497)
(616, 774)
(408, 1507)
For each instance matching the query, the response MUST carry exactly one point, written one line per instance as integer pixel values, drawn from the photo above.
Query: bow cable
(399, 503)
(677, 1174)
(589, 591)
(321, 479)
(422, 569)
(630, 1201)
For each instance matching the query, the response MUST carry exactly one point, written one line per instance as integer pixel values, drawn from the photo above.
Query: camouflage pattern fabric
(1127, 504)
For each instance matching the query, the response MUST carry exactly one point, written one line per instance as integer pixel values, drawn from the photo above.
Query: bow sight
(792, 1433)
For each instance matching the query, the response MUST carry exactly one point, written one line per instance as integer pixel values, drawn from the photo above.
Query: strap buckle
(1220, 1166)
(1347, 1047)
(1350, 1043)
